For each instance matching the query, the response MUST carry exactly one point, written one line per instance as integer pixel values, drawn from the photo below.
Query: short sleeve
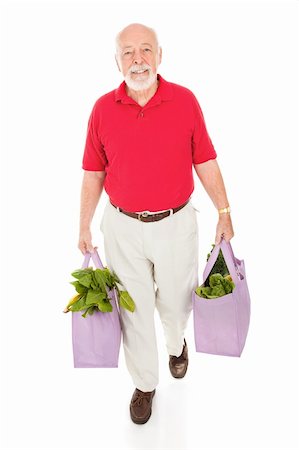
(94, 157)
(202, 146)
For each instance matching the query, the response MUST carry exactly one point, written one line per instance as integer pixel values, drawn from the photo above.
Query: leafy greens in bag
(91, 287)
(219, 286)
(219, 282)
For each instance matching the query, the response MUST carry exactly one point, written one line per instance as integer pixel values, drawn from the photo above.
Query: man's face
(138, 57)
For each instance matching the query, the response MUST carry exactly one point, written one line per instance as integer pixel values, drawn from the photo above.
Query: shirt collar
(163, 93)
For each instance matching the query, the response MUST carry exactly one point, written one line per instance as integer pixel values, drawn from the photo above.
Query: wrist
(84, 230)
(224, 211)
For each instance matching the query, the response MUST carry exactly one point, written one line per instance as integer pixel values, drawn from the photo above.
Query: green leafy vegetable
(219, 282)
(95, 296)
(89, 310)
(218, 287)
(79, 288)
(126, 301)
(92, 287)
(79, 305)
(219, 266)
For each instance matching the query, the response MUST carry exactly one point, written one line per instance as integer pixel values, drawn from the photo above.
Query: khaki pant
(145, 254)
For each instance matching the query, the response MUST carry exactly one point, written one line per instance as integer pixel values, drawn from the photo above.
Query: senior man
(142, 140)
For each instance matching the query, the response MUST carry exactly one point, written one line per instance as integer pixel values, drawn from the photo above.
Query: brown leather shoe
(178, 364)
(141, 406)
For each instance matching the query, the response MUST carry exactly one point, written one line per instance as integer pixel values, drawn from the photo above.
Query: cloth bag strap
(229, 258)
(95, 258)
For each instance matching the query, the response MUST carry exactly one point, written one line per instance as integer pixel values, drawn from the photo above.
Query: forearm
(210, 176)
(92, 187)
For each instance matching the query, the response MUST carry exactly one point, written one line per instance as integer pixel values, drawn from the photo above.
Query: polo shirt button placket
(141, 114)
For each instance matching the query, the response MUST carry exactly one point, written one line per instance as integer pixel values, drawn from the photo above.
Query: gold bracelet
(224, 210)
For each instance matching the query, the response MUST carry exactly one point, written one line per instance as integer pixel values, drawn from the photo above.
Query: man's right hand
(85, 244)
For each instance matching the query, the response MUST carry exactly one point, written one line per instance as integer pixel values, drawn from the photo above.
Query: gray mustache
(136, 68)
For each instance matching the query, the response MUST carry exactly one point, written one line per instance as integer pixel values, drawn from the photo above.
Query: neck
(144, 95)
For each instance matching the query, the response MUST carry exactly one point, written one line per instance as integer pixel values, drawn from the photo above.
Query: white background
(241, 61)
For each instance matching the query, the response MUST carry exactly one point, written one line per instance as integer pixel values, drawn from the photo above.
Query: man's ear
(117, 62)
(160, 55)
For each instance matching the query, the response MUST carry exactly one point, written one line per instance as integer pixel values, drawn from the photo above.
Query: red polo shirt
(147, 151)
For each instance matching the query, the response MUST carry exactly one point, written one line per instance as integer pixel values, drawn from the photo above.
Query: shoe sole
(143, 420)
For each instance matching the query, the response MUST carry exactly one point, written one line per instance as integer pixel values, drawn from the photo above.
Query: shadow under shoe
(178, 364)
(141, 406)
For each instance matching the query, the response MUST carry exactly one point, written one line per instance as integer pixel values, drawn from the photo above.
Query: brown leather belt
(147, 216)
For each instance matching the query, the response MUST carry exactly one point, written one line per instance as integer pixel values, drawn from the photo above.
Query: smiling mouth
(139, 72)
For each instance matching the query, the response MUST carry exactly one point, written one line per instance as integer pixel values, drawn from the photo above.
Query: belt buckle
(143, 214)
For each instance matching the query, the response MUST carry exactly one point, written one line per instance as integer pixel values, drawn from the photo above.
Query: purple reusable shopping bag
(97, 337)
(221, 324)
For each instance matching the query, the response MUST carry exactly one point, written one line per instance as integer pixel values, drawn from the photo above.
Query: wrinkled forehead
(136, 37)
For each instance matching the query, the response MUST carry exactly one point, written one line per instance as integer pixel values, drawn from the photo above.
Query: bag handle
(229, 258)
(95, 258)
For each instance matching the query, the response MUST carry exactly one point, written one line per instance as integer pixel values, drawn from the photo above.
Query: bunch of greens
(219, 282)
(91, 286)
(218, 287)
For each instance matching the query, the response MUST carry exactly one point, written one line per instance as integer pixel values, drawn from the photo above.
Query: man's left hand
(224, 228)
